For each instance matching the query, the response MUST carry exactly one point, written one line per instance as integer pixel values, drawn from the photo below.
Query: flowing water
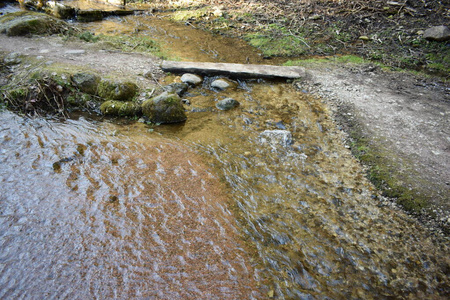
(207, 209)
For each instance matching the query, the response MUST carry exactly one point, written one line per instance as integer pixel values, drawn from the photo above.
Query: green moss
(279, 43)
(88, 37)
(185, 15)
(336, 59)
(25, 22)
(110, 90)
(165, 108)
(383, 173)
(79, 100)
(119, 108)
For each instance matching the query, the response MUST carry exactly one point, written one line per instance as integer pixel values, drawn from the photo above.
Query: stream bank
(316, 226)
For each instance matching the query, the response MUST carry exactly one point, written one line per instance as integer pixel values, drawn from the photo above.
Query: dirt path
(404, 116)
(95, 56)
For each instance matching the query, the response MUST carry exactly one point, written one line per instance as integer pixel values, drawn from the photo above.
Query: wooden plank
(234, 70)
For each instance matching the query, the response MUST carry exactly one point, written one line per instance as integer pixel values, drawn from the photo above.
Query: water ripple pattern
(84, 216)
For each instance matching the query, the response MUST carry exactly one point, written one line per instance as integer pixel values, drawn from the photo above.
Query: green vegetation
(384, 174)
(336, 59)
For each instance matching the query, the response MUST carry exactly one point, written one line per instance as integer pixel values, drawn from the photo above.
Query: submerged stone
(123, 91)
(227, 104)
(276, 138)
(176, 87)
(165, 108)
(221, 84)
(119, 108)
(26, 22)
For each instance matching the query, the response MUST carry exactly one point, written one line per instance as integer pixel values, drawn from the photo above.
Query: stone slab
(234, 70)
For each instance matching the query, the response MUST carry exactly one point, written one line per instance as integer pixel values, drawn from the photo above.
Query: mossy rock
(123, 91)
(165, 108)
(120, 109)
(86, 82)
(26, 22)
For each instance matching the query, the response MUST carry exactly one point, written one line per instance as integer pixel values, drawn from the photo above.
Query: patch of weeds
(277, 44)
(185, 15)
(336, 59)
(88, 37)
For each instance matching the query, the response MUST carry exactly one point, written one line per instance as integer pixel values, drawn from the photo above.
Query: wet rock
(89, 15)
(61, 11)
(26, 22)
(227, 104)
(276, 138)
(221, 84)
(123, 91)
(12, 59)
(86, 82)
(120, 108)
(176, 87)
(191, 79)
(165, 108)
(437, 33)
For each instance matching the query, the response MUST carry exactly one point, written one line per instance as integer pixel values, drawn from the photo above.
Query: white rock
(276, 138)
(191, 79)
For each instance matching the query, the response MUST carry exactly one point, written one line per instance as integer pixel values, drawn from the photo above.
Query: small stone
(12, 59)
(227, 104)
(191, 79)
(437, 33)
(276, 137)
(75, 52)
(177, 87)
(220, 84)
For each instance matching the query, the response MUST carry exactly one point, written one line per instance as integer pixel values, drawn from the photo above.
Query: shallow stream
(206, 209)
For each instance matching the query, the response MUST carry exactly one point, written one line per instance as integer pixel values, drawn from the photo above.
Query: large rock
(276, 138)
(165, 108)
(437, 33)
(86, 82)
(25, 22)
(124, 91)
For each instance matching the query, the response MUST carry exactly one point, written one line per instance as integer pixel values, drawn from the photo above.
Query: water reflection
(119, 218)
